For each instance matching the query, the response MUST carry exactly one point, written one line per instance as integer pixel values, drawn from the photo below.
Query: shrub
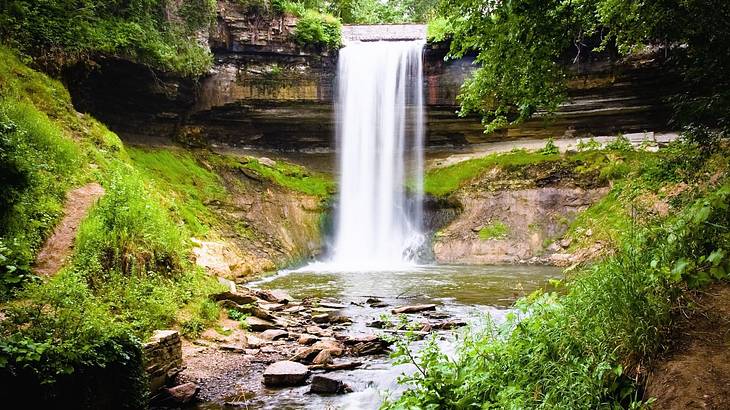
(438, 30)
(621, 143)
(550, 148)
(318, 30)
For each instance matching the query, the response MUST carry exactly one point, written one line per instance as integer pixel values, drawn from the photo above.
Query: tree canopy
(525, 47)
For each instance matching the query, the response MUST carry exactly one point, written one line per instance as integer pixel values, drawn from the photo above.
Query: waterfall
(379, 109)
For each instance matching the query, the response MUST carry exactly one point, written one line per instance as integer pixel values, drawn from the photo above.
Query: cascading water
(380, 146)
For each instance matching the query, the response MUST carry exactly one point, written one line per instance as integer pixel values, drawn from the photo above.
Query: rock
(262, 314)
(566, 242)
(378, 346)
(321, 318)
(294, 309)
(332, 305)
(327, 385)
(258, 325)
(318, 331)
(254, 342)
(274, 334)
(413, 309)
(275, 296)
(370, 301)
(426, 327)
(228, 283)
(379, 305)
(233, 348)
(378, 324)
(436, 315)
(272, 307)
(241, 298)
(285, 373)
(306, 339)
(452, 324)
(332, 345)
(323, 357)
(184, 393)
(347, 365)
(352, 340)
(589, 232)
(305, 354)
(267, 161)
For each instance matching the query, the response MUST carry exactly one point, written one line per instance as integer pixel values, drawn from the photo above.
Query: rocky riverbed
(317, 340)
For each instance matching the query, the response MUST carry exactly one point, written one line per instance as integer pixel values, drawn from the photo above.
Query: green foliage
(621, 143)
(191, 187)
(443, 181)
(318, 30)
(60, 31)
(438, 30)
(381, 12)
(494, 230)
(128, 232)
(590, 145)
(550, 148)
(289, 7)
(587, 347)
(525, 48)
(73, 353)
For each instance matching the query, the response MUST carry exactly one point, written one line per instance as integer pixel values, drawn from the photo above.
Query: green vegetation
(74, 339)
(494, 230)
(290, 176)
(525, 49)
(59, 31)
(317, 29)
(590, 347)
(190, 186)
(443, 181)
(550, 148)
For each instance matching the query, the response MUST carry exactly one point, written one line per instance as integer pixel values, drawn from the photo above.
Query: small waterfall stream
(380, 147)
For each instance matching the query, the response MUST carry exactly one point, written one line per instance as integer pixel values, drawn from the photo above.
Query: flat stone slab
(274, 334)
(258, 325)
(413, 309)
(285, 373)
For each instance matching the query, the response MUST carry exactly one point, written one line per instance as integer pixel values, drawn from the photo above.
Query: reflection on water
(464, 292)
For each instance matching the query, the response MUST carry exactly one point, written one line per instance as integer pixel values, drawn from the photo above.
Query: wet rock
(258, 325)
(305, 355)
(378, 324)
(352, 340)
(306, 339)
(184, 393)
(426, 328)
(323, 357)
(370, 301)
(436, 315)
(285, 373)
(451, 324)
(346, 365)
(332, 305)
(413, 309)
(240, 297)
(328, 385)
(275, 296)
(274, 334)
(365, 348)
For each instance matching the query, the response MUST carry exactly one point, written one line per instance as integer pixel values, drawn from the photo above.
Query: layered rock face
(267, 91)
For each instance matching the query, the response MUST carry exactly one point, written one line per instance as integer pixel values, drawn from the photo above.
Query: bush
(438, 30)
(550, 148)
(318, 30)
(74, 355)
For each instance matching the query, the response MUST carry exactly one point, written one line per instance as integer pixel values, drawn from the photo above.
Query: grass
(191, 186)
(494, 230)
(287, 175)
(444, 181)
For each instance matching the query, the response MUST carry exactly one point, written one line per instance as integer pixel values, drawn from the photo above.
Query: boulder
(274, 334)
(306, 339)
(305, 355)
(241, 297)
(413, 309)
(328, 385)
(184, 393)
(323, 357)
(258, 325)
(285, 373)
(275, 296)
(267, 162)
(333, 346)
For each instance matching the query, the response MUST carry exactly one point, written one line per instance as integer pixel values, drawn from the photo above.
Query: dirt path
(59, 245)
(696, 373)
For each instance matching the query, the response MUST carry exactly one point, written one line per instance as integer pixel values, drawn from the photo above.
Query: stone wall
(162, 357)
